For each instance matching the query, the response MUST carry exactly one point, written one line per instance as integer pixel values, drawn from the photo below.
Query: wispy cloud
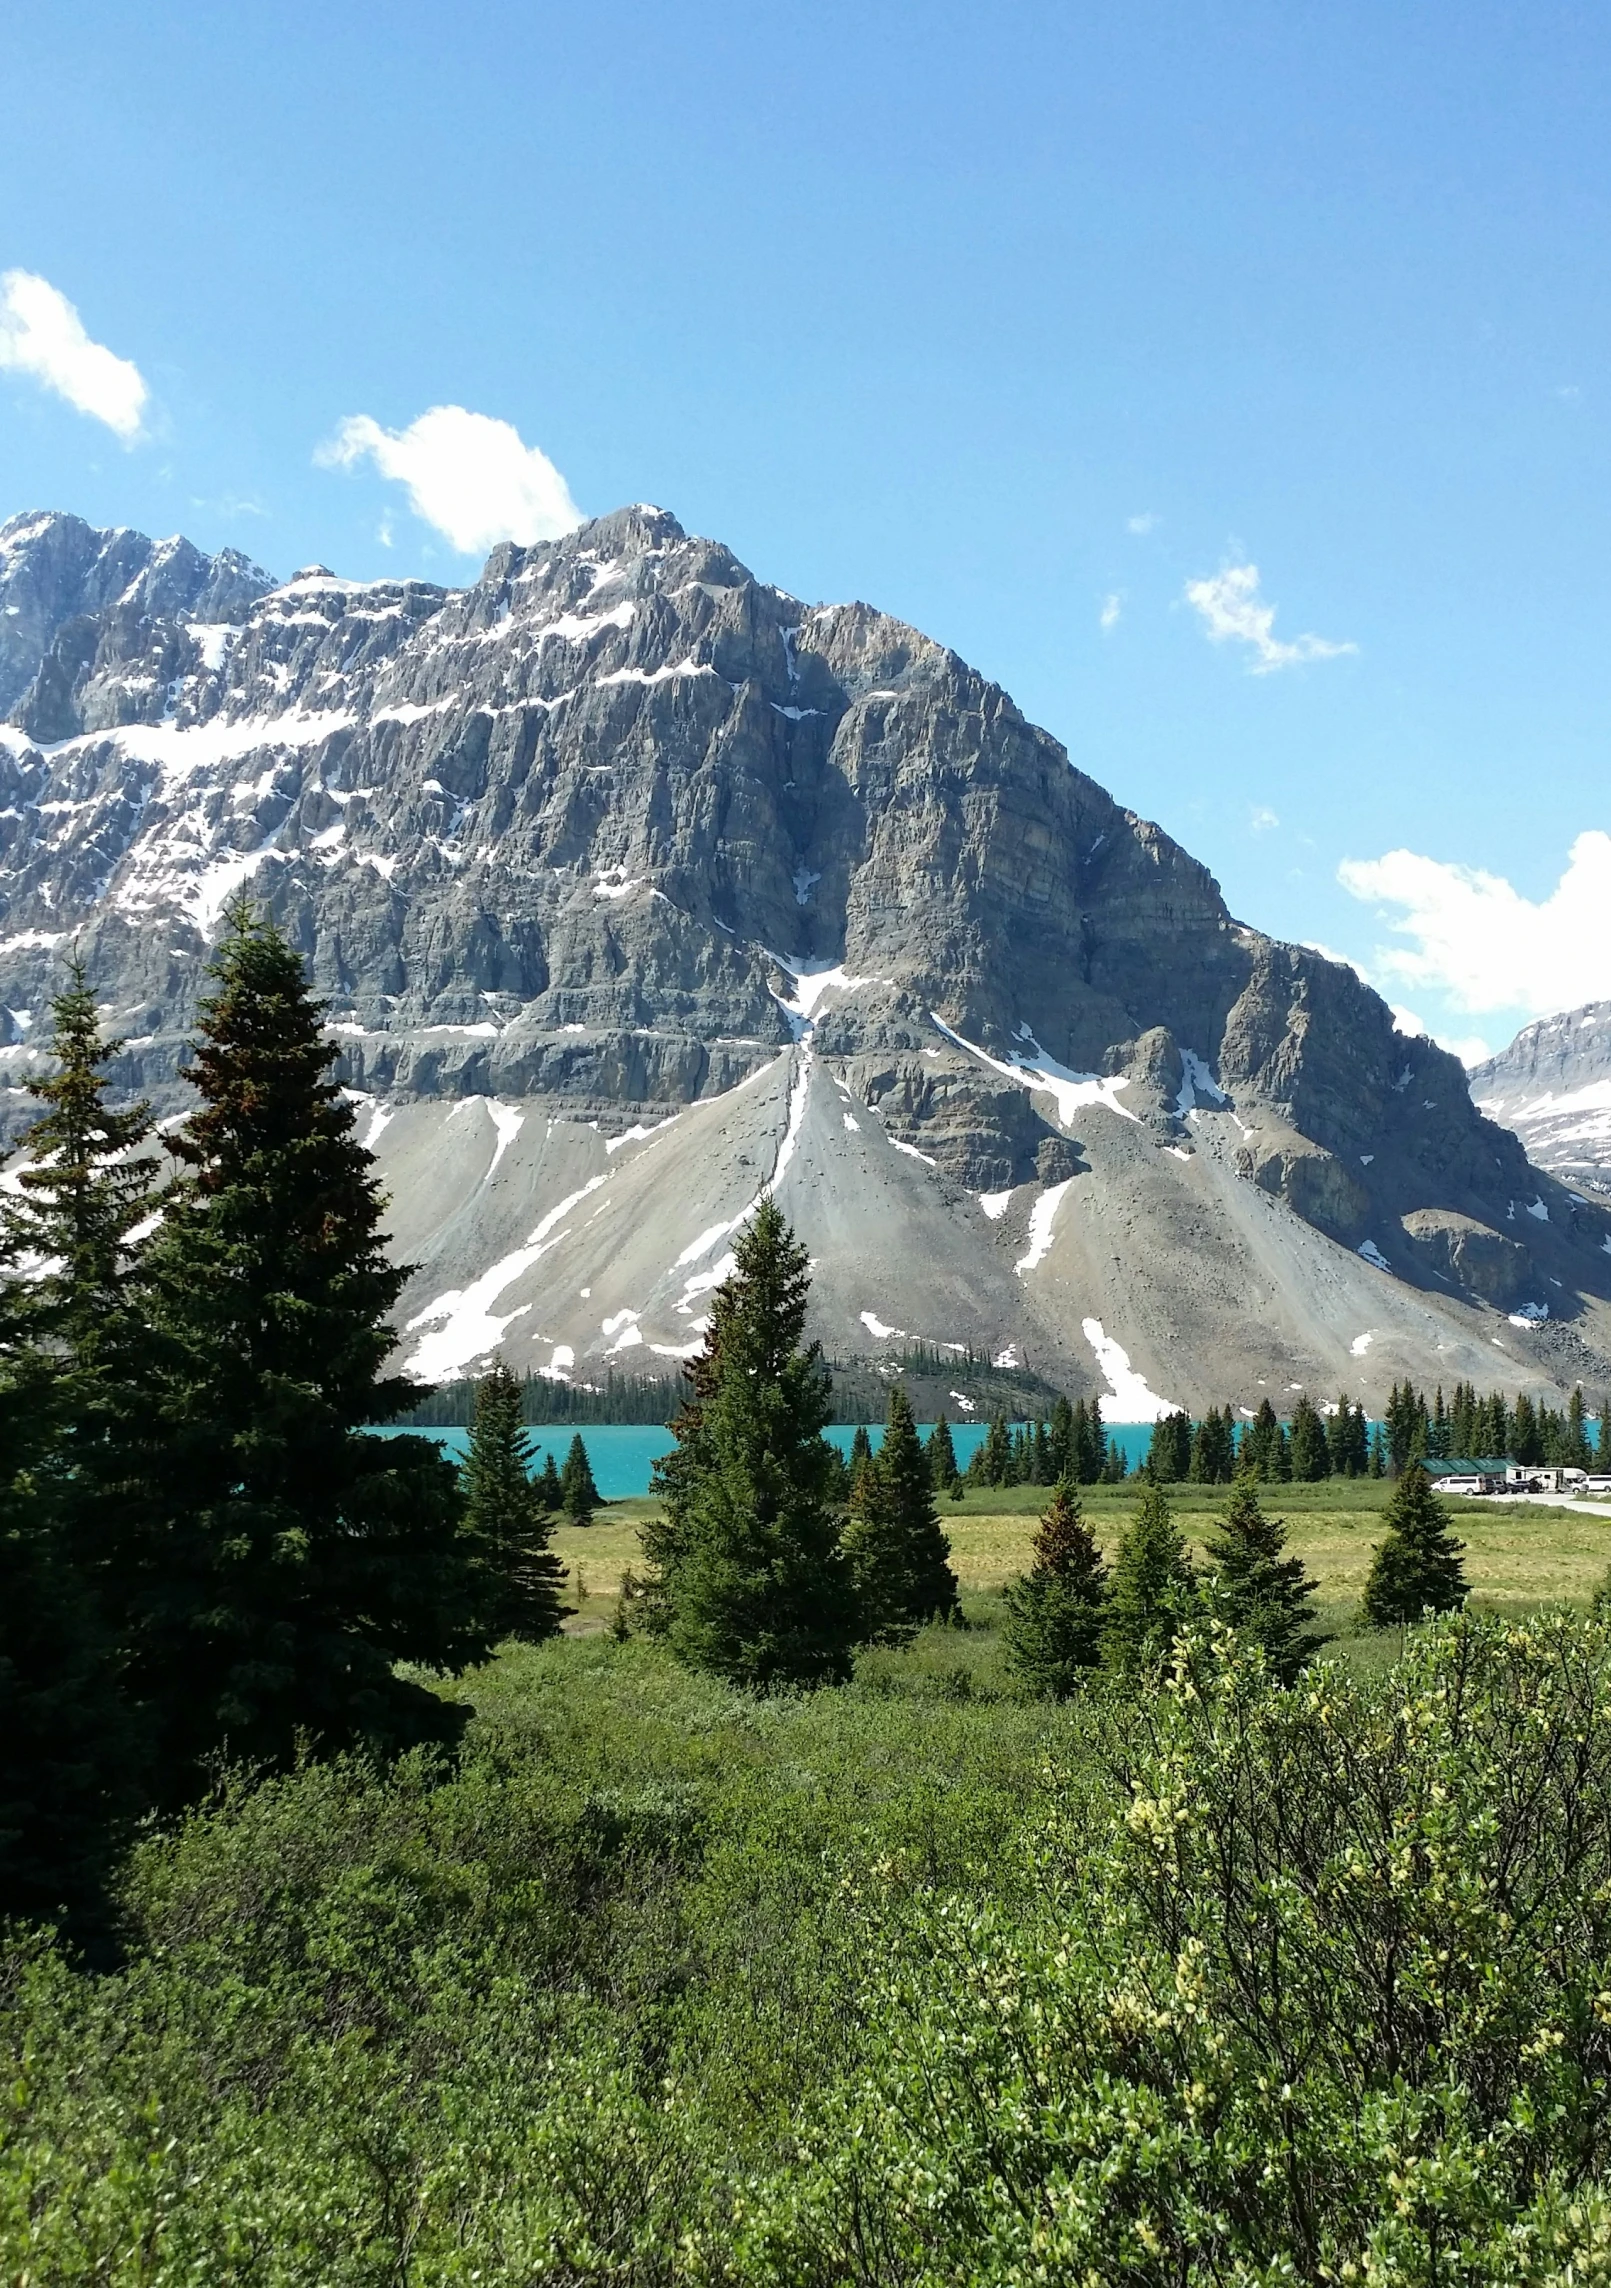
(1232, 611)
(471, 477)
(42, 335)
(1112, 611)
(1262, 818)
(1473, 937)
(1148, 521)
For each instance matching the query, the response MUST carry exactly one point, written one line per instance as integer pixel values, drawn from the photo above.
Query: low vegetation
(816, 1874)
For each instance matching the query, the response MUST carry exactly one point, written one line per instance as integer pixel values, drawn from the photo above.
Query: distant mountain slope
(1552, 1087)
(620, 833)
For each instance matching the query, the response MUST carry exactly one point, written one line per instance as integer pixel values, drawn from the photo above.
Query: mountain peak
(620, 833)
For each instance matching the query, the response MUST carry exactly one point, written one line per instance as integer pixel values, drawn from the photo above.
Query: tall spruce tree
(1311, 1455)
(1417, 1568)
(579, 1496)
(284, 1562)
(1152, 1592)
(1263, 1593)
(506, 1519)
(942, 1457)
(86, 1189)
(548, 1485)
(69, 1768)
(749, 1578)
(899, 1556)
(1169, 1454)
(1602, 1434)
(1055, 1611)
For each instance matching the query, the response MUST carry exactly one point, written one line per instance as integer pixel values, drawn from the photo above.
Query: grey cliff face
(1552, 1087)
(618, 826)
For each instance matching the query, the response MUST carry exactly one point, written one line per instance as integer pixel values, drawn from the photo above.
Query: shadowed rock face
(619, 826)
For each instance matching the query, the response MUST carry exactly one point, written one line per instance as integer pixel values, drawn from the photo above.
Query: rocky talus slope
(635, 886)
(1552, 1088)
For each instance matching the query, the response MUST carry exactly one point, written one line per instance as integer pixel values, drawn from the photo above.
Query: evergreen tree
(1260, 1441)
(1378, 1452)
(1311, 1455)
(579, 1496)
(1262, 1592)
(1169, 1454)
(504, 1517)
(1526, 1443)
(1065, 1440)
(279, 1563)
(1437, 1436)
(1116, 1463)
(1152, 1590)
(1602, 1440)
(548, 1486)
(1094, 1453)
(1055, 1612)
(942, 1455)
(68, 1763)
(897, 1552)
(85, 1190)
(1418, 1566)
(1041, 1471)
(750, 1579)
(1575, 1450)
(994, 1457)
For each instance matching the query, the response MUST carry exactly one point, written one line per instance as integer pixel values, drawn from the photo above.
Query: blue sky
(1085, 337)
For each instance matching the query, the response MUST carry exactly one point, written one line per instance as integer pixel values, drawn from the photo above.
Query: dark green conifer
(1417, 1568)
(1264, 1594)
(1064, 1438)
(1115, 1464)
(1526, 1444)
(1055, 1611)
(898, 1554)
(1169, 1454)
(750, 1580)
(579, 1496)
(86, 1189)
(994, 1457)
(1311, 1455)
(1152, 1591)
(504, 1517)
(1575, 1450)
(942, 1457)
(548, 1485)
(281, 1563)
(1602, 1437)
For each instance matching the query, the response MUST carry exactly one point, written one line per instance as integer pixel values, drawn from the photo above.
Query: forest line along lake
(623, 1453)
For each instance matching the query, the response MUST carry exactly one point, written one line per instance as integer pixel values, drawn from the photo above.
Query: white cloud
(1262, 818)
(1478, 941)
(41, 334)
(1112, 609)
(1233, 612)
(1148, 521)
(468, 475)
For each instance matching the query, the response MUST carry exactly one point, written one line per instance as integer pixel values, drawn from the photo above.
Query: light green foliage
(1311, 1986)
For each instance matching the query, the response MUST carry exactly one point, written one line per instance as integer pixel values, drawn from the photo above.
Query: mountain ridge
(621, 833)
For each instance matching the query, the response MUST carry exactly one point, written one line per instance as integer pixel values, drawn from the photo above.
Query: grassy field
(1518, 1555)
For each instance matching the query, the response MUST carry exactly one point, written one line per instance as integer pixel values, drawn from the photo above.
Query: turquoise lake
(621, 1452)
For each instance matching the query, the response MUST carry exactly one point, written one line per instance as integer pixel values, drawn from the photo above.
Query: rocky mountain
(1552, 1088)
(636, 885)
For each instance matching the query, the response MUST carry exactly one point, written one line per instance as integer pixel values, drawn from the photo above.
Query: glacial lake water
(621, 1452)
